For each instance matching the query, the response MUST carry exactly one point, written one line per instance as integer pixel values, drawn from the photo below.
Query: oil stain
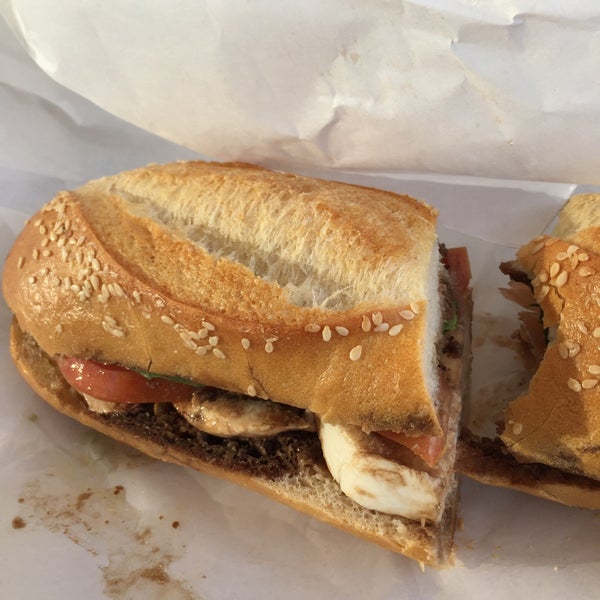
(103, 523)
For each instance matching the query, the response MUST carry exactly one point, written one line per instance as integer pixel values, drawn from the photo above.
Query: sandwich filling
(391, 472)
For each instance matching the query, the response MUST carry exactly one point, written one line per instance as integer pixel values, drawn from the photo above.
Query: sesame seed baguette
(555, 425)
(292, 472)
(312, 293)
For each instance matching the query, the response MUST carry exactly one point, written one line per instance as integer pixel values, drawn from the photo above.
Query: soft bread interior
(314, 251)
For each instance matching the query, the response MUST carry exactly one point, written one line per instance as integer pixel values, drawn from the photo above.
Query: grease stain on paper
(134, 561)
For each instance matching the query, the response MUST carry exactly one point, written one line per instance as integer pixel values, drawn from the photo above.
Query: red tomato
(457, 261)
(113, 383)
(428, 448)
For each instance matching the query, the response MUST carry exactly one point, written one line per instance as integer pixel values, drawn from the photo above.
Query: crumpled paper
(83, 517)
(492, 89)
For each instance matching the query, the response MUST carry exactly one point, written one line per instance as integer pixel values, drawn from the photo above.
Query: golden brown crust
(557, 422)
(309, 489)
(90, 278)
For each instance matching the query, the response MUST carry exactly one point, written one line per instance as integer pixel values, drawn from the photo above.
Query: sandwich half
(548, 441)
(304, 338)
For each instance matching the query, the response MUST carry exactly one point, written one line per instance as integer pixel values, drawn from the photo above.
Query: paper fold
(414, 86)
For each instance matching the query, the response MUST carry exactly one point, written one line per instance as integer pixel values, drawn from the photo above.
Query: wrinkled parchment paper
(82, 517)
(496, 89)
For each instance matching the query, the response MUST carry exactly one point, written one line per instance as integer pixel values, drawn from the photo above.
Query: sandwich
(548, 437)
(304, 338)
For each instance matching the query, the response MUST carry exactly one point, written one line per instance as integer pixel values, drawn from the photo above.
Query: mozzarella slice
(377, 482)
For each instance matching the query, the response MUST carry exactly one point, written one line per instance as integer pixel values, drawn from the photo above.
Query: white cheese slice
(376, 482)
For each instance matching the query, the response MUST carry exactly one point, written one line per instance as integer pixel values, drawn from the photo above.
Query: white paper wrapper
(82, 517)
(495, 89)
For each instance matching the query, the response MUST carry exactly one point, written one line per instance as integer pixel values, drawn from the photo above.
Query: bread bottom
(488, 461)
(288, 468)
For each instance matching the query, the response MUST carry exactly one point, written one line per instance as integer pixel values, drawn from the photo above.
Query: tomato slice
(457, 262)
(113, 383)
(426, 447)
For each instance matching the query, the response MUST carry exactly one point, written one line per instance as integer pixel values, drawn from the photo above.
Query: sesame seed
(366, 324)
(43, 229)
(45, 242)
(543, 277)
(407, 314)
(218, 353)
(562, 256)
(573, 384)
(47, 253)
(80, 241)
(20, 262)
(202, 333)
(517, 428)
(377, 318)
(550, 241)
(554, 269)
(414, 307)
(37, 222)
(32, 279)
(563, 350)
(201, 350)
(166, 319)
(95, 281)
(562, 279)
(83, 295)
(79, 257)
(213, 340)
(56, 281)
(189, 343)
(572, 347)
(395, 329)
(118, 290)
(35, 253)
(136, 295)
(585, 271)
(355, 353)
(572, 249)
(596, 332)
(245, 343)
(326, 333)
(117, 332)
(312, 328)
(382, 327)
(271, 339)
(588, 384)
(61, 242)
(269, 347)
(159, 303)
(582, 328)
(208, 325)
(535, 249)
(58, 328)
(95, 264)
(251, 390)
(145, 313)
(110, 320)
(75, 288)
(343, 331)
(594, 369)
(543, 292)
(583, 257)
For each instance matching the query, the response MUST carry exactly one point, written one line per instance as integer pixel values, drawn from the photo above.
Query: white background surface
(83, 540)
(496, 88)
